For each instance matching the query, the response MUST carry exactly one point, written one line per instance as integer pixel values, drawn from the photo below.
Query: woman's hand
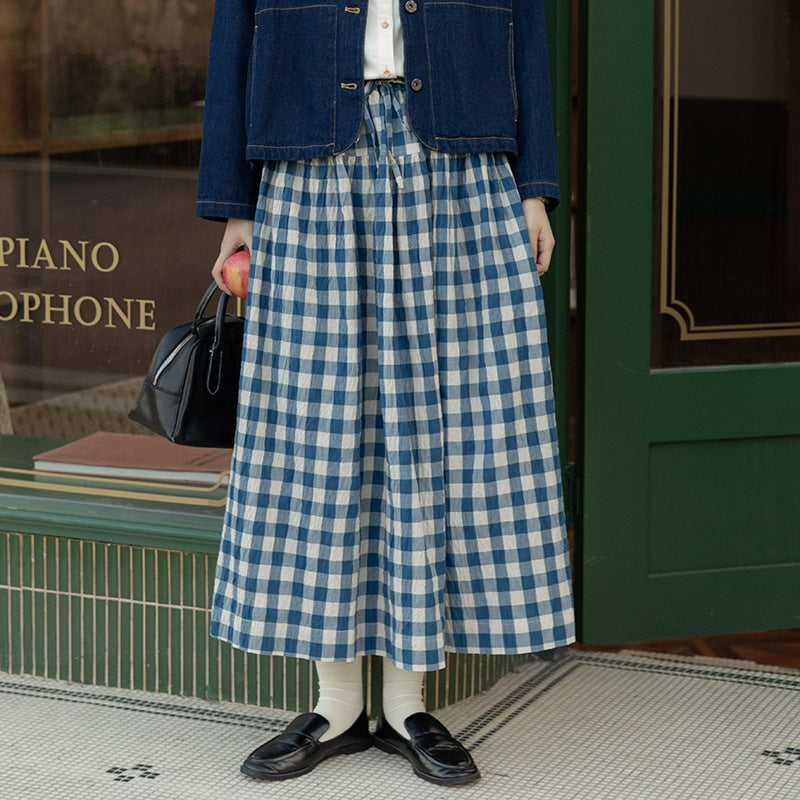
(539, 230)
(238, 232)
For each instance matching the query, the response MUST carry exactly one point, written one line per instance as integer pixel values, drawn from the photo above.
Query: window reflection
(108, 64)
(727, 182)
(100, 252)
(20, 69)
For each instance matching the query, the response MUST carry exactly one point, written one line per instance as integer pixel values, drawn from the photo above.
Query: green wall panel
(113, 614)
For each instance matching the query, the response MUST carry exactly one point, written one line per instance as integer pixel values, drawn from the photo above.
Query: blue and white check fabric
(395, 486)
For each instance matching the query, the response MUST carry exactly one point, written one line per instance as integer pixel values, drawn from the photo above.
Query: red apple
(235, 272)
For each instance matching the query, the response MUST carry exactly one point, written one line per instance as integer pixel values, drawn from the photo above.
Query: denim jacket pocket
(294, 45)
(471, 68)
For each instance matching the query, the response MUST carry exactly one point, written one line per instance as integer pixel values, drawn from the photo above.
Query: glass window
(100, 252)
(726, 282)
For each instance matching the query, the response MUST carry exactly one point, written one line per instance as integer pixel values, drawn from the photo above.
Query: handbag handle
(209, 293)
(216, 345)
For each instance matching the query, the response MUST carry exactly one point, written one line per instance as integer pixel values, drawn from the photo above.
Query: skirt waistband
(372, 82)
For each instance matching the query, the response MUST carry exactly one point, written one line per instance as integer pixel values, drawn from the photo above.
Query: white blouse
(383, 42)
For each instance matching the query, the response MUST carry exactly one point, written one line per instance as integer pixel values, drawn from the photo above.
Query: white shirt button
(383, 41)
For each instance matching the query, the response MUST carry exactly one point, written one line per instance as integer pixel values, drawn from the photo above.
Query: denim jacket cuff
(221, 212)
(540, 189)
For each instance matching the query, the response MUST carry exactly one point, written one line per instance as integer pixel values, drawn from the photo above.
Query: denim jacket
(285, 81)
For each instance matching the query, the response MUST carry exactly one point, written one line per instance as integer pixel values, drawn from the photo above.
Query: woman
(395, 486)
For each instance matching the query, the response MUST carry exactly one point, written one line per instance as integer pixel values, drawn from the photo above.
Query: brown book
(130, 455)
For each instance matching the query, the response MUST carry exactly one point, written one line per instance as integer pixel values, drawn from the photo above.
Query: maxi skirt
(395, 484)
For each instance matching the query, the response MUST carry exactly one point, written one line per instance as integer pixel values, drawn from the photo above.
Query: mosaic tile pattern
(584, 726)
(136, 617)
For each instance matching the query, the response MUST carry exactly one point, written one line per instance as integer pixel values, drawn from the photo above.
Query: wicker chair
(76, 414)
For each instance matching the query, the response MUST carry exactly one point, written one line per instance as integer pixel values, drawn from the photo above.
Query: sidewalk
(587, 726)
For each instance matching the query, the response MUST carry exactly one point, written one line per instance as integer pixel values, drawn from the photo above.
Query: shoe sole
(388, 747)
(277, 776)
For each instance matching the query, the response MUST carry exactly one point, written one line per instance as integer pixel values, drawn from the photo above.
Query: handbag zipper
(178, 347)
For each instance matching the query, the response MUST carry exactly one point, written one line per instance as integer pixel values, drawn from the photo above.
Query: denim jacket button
(416, 84)
(411, 6)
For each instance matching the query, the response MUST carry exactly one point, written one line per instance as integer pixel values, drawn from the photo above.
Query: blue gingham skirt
(395, 486)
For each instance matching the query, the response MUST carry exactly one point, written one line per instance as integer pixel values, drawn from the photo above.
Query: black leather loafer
(434, 754)
(298, 749)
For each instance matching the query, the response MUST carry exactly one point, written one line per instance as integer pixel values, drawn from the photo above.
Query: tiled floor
(585, 726)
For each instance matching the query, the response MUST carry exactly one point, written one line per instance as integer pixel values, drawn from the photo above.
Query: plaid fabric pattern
(395, 485)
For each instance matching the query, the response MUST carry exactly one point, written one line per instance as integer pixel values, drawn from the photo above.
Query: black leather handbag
(190, 392)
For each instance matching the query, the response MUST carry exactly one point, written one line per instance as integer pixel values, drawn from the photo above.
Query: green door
(689, 291)
(556, 283)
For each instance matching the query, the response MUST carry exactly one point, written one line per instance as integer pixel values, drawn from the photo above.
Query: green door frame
(556, 282)
(633, 418)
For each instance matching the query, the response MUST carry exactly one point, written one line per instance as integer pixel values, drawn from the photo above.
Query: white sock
(341, 694)
(402, 695)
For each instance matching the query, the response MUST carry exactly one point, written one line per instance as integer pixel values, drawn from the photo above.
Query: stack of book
(131, 456)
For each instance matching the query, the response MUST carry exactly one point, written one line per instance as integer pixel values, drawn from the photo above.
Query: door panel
(690, 435)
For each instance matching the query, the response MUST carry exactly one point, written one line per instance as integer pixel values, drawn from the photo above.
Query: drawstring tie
(384, 151)
(396, 171)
